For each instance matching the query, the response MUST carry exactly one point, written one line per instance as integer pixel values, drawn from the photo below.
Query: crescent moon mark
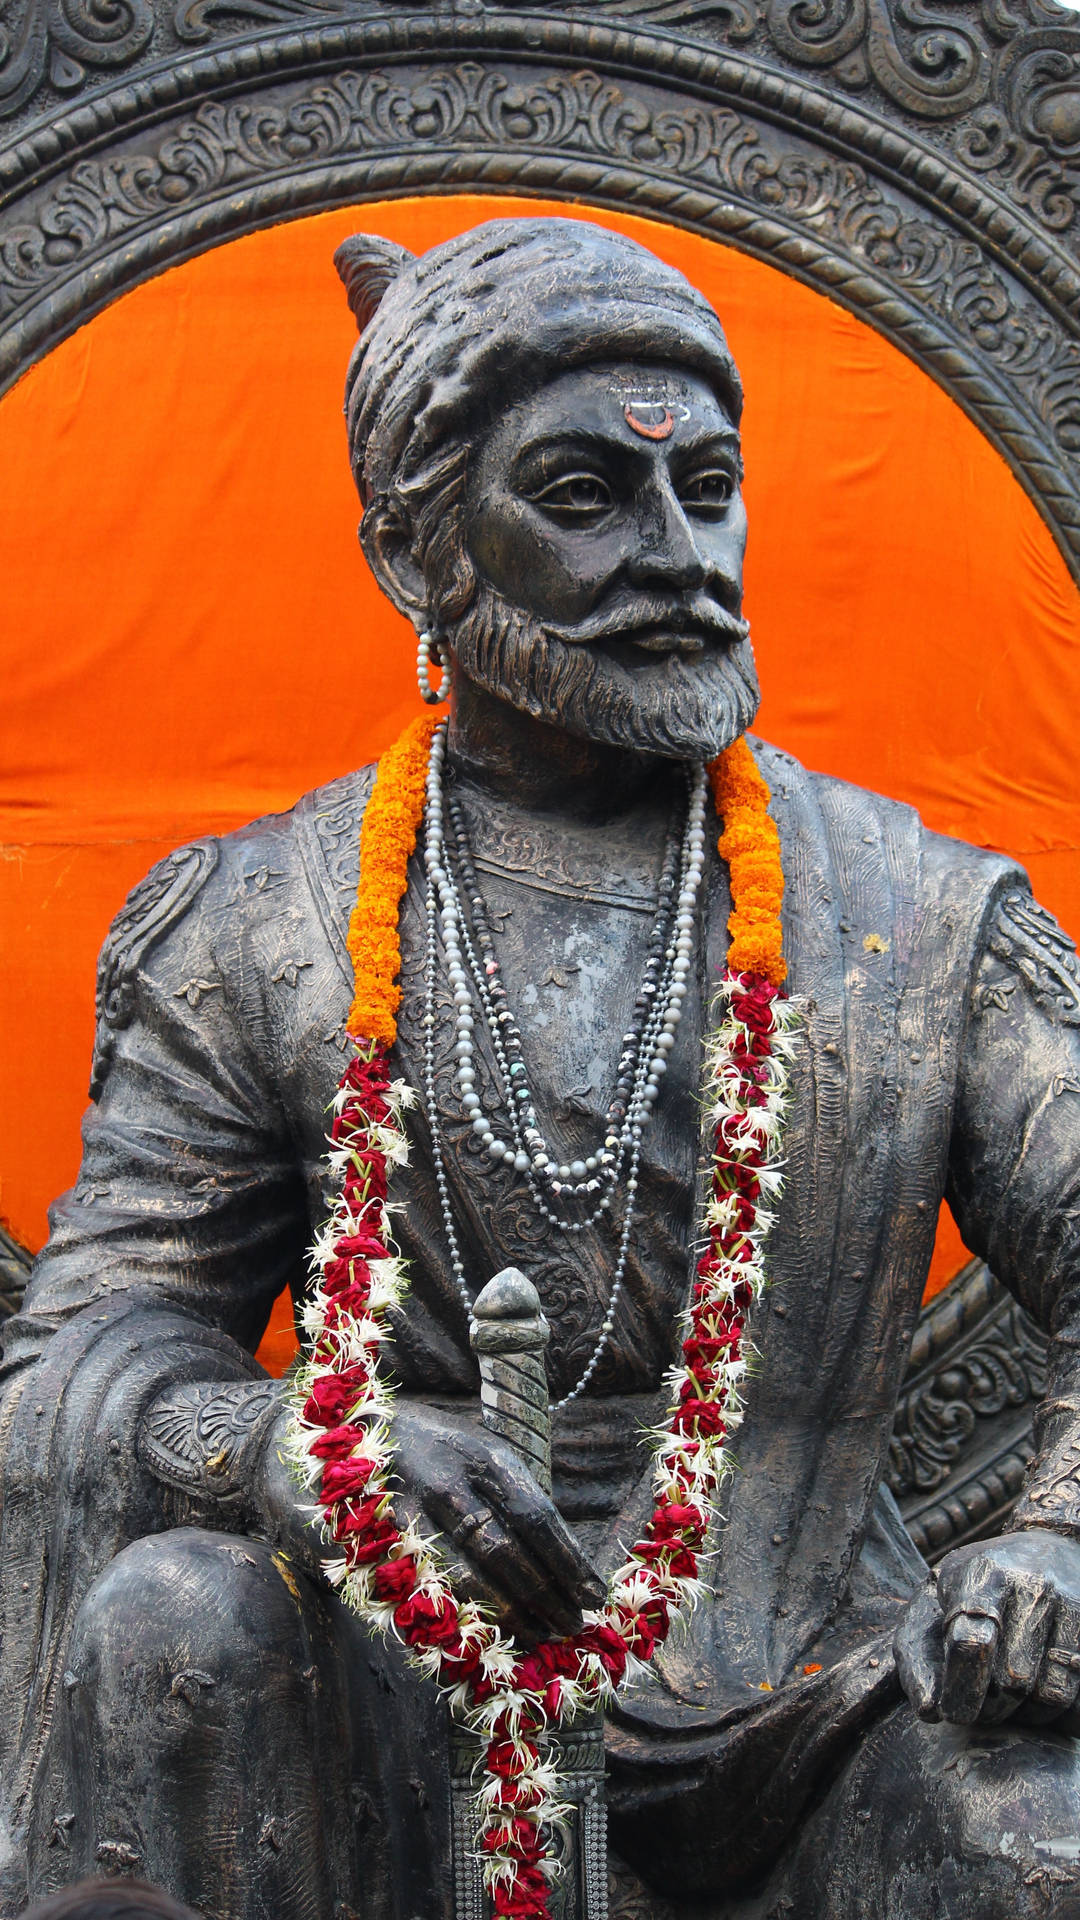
(659, 430)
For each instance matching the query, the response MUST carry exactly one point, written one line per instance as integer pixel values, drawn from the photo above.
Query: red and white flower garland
(343, 1449)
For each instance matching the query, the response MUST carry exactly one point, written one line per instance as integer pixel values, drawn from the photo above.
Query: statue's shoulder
(801, 793)
(311, 848)
(204, 897)
(853, 820)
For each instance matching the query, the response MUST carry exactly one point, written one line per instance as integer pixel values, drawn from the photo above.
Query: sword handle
(508, 1334)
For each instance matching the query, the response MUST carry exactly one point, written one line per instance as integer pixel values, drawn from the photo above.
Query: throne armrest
(962, 1440)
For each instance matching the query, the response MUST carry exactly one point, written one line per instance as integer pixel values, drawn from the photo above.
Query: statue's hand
(283, 1514)
(516, 1550)
(999, 1634)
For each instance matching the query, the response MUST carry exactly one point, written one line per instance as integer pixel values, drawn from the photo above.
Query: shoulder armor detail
(148, 913)
(328, 825)
(336, 818)
(1028, 938)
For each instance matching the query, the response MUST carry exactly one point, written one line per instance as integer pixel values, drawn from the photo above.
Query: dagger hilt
(508, 1334)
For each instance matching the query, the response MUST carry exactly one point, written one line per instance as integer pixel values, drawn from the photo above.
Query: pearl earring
(426, 652)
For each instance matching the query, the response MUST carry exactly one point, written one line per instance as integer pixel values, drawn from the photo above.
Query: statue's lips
(657, 644)
(657, 632)
(666, 636)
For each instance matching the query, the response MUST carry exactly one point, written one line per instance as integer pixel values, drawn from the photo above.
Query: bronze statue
(543, 423)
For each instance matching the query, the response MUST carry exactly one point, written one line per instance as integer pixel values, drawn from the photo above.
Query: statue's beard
(680, 706)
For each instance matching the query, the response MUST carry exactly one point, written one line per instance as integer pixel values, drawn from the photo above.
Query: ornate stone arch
(916, 160)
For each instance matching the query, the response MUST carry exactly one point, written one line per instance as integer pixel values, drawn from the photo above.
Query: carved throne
(919, 165)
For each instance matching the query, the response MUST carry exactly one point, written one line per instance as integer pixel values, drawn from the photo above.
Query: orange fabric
(192, 636)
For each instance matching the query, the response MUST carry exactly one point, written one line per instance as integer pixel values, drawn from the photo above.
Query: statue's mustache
(696, 618)
(690, 708)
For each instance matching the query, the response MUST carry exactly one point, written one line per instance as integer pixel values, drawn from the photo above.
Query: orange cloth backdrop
(191, 636)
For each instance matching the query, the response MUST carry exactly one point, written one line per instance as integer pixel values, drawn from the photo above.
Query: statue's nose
(666, 550)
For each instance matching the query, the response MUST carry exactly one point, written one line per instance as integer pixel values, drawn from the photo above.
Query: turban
(449, 336)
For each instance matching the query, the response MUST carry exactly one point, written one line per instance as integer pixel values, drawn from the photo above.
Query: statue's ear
(368, 265)
(388, 549)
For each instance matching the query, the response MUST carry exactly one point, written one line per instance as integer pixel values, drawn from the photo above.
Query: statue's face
(605, 522)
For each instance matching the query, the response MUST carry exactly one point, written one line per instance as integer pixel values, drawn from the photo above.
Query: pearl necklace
(642, 1064)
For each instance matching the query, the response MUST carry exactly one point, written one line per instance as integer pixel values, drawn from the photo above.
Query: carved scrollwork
(733, 20)
(962, 1437)
(818, 33)
(63, 40)
(225, 146)
(201, 1437)
(923, 60)
(1030, 140)
(101, 32)
(336, 815)
(195, 20)
(1043, 92)
(1004, 1368)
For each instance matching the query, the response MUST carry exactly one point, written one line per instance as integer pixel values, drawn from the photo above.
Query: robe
(938, 1055)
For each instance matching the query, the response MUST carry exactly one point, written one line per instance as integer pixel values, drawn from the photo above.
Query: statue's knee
(200, 1680)
(190, 1608)
(985, 1820)
(1014, 1795)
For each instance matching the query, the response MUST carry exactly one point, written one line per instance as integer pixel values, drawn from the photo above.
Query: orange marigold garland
(387, 838)
(343, 1403)
(751, 846)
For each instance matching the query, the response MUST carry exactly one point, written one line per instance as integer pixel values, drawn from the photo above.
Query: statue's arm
(189, 1182)
(997, 1632)
(1014, 1176)
(191, 1186)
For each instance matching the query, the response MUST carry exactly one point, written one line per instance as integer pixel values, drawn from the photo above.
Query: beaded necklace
(641, 1064)
(342, 1401)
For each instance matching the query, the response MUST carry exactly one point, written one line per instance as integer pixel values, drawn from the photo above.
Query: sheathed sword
(508, 1334)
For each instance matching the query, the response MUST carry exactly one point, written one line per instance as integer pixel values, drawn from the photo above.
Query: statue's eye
(575, 499)
(710, 492)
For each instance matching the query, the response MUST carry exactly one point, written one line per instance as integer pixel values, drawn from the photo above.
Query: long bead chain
(600, 1169)
(642, 1063)
(528, 1152)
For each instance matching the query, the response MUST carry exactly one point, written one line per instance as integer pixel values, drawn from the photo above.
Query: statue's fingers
(974, 1598)
(563, 1559)
(1023, 1639)
(539, 1606)
(497, 1566)
(537, 1522)
(969, 1647)
(500, 1550)
(1058, 1686)
(919, 1651)
(971, 1583)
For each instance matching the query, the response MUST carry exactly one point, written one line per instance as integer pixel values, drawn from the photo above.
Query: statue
(543, 423)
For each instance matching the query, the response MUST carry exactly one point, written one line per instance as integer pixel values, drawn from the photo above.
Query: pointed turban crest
(451, 336)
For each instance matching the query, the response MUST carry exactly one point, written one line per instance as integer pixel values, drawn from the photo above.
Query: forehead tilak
(654, 419)
(653, 407)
